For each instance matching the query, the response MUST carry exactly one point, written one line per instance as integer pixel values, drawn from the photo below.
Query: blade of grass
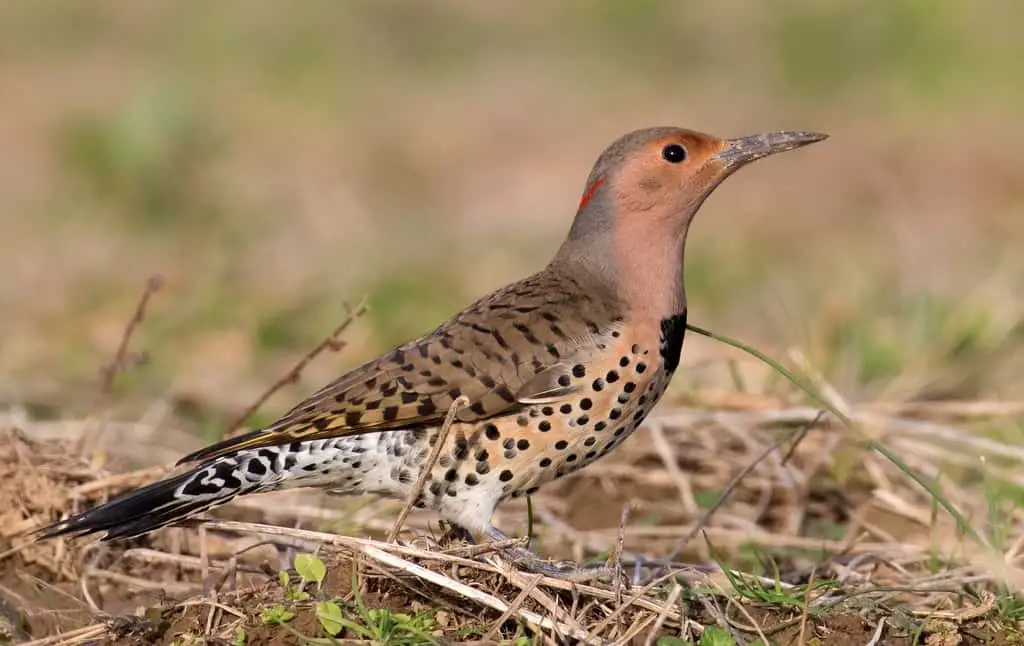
(963, 525)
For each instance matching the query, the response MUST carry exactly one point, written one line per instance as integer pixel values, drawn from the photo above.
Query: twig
(469, 592)
(661, 445)
(331, 342)
(109, 372)
(673, 596)
(877, 637)
(796, 435)
(78, 636)
(427, 467)
(513, 608)
(358, 544)
(805, 611)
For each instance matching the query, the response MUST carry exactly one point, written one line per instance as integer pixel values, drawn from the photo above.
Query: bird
(542, 377)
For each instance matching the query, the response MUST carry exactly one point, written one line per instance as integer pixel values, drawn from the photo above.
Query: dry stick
(435, 453)
(331, 342)
(78, 636)
(797, 436)
(118, 363)
(661, 446)
(513, 608)
(153, 285)
(469, 592)
(875, 639)
(673, 596)
(806, 610)
(361, 544)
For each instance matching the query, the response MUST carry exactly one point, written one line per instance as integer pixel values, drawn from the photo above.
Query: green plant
(276, 615)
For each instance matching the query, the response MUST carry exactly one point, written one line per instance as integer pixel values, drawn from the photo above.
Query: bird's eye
(673, 153)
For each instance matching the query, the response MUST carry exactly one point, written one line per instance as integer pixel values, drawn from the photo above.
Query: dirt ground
(218, 583)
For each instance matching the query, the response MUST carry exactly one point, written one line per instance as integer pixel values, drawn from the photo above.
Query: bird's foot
(571, 571)
(454, 533)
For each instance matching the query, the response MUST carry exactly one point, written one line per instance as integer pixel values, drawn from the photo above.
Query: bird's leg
(454, 532)
(565, 570)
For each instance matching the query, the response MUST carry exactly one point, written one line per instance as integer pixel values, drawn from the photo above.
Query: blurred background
(275, 161)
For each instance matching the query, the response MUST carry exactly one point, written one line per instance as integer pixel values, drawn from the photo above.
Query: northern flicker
(557, 369)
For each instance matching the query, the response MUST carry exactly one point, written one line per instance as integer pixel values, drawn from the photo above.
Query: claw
(565, 570)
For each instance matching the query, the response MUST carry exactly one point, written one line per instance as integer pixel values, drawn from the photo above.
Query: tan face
(669, 172)
(675, 172)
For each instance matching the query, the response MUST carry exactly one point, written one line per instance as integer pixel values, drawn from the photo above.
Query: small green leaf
(282, 576)
(295, 594)
(310, 567)
(276, 615)
(672, 640)
(239, 639)
(716, 637)
(330, 617)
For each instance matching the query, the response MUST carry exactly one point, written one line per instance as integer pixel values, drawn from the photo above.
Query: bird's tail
(178, 497)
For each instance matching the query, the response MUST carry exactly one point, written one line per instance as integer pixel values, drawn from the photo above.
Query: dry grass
(897, 567)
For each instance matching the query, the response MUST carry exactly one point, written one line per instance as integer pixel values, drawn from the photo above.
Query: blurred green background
(274, 161)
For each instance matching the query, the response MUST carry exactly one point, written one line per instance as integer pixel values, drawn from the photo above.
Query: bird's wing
(514, 347)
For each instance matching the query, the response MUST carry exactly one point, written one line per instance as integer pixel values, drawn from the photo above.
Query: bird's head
(645, 188)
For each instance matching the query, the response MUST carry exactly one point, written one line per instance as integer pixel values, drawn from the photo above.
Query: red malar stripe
(589, 193)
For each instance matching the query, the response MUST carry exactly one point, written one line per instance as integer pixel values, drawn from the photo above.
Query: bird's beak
(743, 150)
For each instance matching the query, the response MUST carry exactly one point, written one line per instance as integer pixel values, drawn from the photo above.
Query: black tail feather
(136, 512)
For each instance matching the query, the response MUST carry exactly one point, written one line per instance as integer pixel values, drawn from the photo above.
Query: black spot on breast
(561, 445)
(472, 479)
(491, 431)
(564, 380)
(565, 409)
(545, 463)
(450, 475)
(585, 403)
(673, 329)
(505, 476)
(544, 426)
(579, 371)
(522, 445)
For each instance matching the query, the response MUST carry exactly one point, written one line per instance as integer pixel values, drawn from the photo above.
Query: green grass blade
(962, 523)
